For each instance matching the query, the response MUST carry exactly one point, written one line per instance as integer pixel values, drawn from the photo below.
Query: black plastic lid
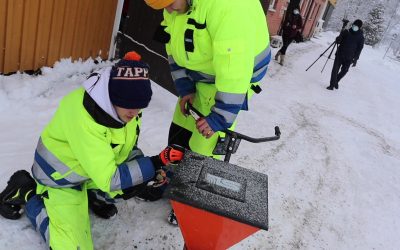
(221, 188)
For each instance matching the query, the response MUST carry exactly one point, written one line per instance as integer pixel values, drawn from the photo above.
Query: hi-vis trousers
(61, 216)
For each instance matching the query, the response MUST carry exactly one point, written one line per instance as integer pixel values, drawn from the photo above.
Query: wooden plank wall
(37, 33)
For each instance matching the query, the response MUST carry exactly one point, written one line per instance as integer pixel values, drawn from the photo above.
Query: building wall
(37, 33)
(310, 10)
(275, 14)
(137, 33)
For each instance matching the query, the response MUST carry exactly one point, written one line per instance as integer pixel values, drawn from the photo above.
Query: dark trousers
(179, 136)
(286, 42)
(341, 64)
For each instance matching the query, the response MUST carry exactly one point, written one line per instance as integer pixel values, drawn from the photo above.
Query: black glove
(100, 208)
(338, 39)
(142, 191)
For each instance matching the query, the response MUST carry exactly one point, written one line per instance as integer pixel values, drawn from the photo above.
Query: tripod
(334, 44)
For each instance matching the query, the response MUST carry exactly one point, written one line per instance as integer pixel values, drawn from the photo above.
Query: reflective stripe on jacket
(222, 42)
(74, 148)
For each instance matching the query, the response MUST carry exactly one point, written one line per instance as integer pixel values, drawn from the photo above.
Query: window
(272, 5)
(284, 8)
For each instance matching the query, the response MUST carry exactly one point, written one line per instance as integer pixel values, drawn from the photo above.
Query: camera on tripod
(334, 44)
(345, 22)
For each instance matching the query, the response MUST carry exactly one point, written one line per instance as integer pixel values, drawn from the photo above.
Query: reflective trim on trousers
(36, 212)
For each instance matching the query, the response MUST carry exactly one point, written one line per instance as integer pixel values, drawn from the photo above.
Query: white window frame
(284, 8)
(271, 5)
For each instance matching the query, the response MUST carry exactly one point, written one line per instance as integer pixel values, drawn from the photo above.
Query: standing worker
(89, 148)
(291, 28)
(350, 44)
(218, 51)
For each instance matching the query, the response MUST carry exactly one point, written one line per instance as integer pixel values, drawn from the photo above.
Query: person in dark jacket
(350, 43)
(291, 29)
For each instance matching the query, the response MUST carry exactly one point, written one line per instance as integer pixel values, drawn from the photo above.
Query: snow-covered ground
(334, 176)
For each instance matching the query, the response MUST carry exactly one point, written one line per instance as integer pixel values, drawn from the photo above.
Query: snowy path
(334, 183)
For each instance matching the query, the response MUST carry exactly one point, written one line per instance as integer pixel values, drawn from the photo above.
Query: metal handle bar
(255, 140)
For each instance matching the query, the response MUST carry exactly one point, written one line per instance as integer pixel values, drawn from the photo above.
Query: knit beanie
(358, 23)
(158, 4)
(129, 85)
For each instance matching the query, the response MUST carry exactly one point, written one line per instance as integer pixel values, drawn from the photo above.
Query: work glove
(354, 62)
(172, 154)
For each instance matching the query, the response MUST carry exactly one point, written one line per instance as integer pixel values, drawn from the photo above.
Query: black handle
(255, 140)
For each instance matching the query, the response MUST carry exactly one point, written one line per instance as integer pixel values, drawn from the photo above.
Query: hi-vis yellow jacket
(221, 42)
(86, 142)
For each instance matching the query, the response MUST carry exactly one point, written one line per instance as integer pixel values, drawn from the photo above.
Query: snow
(360, 9)
(334, 176)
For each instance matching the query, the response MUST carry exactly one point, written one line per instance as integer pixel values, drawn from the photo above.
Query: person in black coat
(350, 43)
(291, 29)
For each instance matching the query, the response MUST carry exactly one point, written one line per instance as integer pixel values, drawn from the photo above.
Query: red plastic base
(203, 230)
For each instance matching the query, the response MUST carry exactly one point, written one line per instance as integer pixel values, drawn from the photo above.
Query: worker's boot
(277, 55)
(282, 60)
(172, 218)
(20, 188)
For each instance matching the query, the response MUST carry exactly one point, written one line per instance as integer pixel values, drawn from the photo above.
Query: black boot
(149, 193)
(101, 208)
(172, 218)
(20, 188)
(12, 212)
(277, 55)
(329, 87)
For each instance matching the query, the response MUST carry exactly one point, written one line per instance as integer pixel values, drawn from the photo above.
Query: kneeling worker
(89, 149)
